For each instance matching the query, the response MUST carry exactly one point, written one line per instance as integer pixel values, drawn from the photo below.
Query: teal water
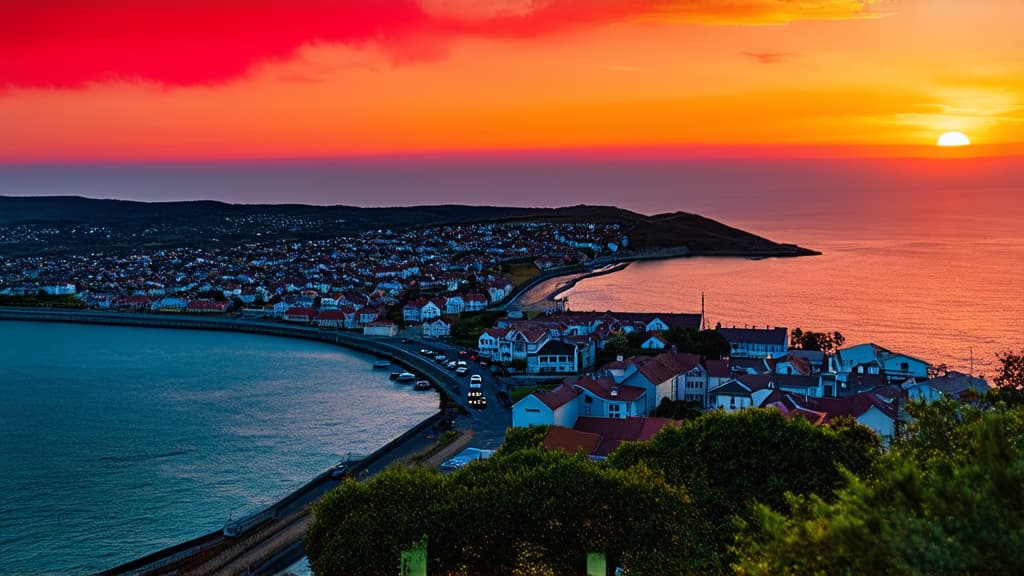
(117, 441)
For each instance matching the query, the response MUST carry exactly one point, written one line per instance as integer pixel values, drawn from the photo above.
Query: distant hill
(56, 225)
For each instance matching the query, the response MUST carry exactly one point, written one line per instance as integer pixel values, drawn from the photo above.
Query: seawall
(280, 538)
(444, 381)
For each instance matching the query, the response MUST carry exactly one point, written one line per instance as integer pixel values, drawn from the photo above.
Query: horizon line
(751, 152)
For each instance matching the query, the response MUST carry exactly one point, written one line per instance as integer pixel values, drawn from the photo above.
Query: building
(436, 328)
(756, 342)
(873, 359)
(557, 406)
(554, 357)
(380, 328)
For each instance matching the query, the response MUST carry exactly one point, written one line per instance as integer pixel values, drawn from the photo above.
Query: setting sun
(954, 139)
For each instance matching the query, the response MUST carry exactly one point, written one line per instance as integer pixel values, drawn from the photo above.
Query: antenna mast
(703, 318)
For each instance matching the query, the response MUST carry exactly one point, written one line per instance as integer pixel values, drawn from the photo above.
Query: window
(533, 410)
(905, 367)
(614, 411)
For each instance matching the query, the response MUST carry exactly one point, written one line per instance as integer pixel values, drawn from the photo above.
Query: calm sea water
(936, 273)
(121, 441)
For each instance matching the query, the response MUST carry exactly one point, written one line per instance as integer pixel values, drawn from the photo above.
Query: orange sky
(110, 80)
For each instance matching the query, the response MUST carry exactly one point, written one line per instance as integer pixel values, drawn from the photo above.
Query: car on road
(476, 399)
(461, 363)
(426, 352)
(441, 358)
(462, 370)
(451, 365)
(475, 381)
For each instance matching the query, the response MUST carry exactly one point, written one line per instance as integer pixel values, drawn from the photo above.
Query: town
(439, 281)
(347, 281)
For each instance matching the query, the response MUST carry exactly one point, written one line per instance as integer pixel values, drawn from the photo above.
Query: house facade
(436, 328)
(756, 342)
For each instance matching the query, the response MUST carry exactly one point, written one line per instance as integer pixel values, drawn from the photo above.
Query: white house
(436, 328)
(475, 302)
(61, 289)
(366, 315)
(554, 358)
(655, 342)
(547, 407)
(873, 359)
(454, 305)
(411, 311)
(432, 309)
(604, 398)
(956, 385)
(380, 328)
(169, 304)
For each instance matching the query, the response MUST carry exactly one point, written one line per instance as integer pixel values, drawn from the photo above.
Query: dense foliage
(948, 500)
(529, 511)
(820, 341)
(666, 506)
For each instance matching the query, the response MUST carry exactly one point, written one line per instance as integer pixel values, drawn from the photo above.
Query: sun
(954, 139)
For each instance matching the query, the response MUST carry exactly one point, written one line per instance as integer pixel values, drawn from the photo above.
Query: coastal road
(488, 424)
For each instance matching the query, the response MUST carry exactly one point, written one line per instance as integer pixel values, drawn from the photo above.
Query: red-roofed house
(206, 307)
(412, 312)
(605, 398)
(300, 314)
(572, 441)
(557, 406)
(432, 309)
(475, 302)
(616, 431)
(330, 319)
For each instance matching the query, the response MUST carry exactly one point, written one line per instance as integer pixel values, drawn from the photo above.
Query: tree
(528, 511)
(1010, 380)
(820, 341)
(1011, 374)
(617, 344)
(796, 338)
(930, 511)
(729, 461)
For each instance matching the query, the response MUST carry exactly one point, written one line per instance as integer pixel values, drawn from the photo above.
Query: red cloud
(72, 42)
(69, 43)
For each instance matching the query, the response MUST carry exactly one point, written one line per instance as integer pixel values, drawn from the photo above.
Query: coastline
(610, 265)
(275, 538)
(443, 381)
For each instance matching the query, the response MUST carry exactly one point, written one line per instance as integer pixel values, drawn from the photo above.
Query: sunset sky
(124, 80)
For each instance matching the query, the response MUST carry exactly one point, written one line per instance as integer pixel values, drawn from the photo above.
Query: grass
(471, 325)
(522, 272)
(520, 392)
(444, 440)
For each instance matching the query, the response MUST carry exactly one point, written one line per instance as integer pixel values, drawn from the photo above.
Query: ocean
(936, 273)
(121, 441)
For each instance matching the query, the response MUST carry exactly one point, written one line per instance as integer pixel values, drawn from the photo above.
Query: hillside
(75, 225)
